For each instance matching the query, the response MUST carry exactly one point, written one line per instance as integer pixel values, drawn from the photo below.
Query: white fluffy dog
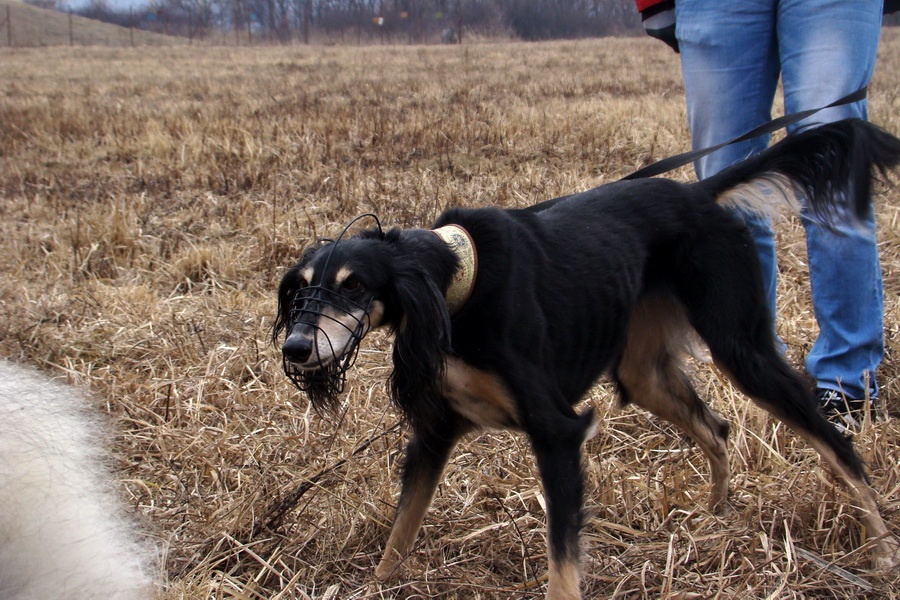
(63, 533)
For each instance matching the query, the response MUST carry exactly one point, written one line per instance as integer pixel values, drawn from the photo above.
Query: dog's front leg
(426, 456)
(559, 463)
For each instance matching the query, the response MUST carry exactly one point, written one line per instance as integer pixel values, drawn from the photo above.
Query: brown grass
(30, 26)
(150, 202)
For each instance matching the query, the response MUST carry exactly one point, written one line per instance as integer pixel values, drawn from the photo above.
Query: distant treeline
(418, 21)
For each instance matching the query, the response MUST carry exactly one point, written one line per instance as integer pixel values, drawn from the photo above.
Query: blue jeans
(732, 53)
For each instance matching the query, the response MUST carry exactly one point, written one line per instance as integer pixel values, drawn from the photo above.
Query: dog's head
(326, 304)
(339, 291)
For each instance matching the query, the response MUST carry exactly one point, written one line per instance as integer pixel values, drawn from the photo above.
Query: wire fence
(24, 25)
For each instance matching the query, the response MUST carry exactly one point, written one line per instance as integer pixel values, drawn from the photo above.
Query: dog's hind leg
(721, 289)
(649, 375)
(426, 457)
(765, 377)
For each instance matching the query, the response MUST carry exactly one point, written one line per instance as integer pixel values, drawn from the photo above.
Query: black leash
(679, 160)
(673, 162)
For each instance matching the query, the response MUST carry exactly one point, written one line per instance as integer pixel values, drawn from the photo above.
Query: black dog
(505, 319)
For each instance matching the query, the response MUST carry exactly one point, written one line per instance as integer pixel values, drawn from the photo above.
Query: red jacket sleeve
(643, 5)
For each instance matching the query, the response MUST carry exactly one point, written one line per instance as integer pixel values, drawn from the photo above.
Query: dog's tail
(830, 167)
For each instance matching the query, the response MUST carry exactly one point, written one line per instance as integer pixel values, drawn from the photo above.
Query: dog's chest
(478, 396)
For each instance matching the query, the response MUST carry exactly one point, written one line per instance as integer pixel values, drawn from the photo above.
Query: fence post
(307, 15)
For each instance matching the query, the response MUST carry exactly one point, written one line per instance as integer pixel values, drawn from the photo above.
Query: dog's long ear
(286, 290)
(290, 282)
(422, 341)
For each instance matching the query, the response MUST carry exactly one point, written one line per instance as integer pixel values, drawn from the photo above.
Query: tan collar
(463, 282)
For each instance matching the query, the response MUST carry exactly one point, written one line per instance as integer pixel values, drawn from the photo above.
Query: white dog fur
(63, 531)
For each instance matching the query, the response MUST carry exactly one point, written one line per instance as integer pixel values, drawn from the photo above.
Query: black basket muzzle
(334, 326)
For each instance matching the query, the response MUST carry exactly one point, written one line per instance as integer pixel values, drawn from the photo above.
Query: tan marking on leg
(885, 547)
(408, 521)
(479, 396)
(415, 498)
(885, 551)
(651, 375)
(564, 577)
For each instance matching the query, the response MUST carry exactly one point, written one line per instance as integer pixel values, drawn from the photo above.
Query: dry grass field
(150, 199)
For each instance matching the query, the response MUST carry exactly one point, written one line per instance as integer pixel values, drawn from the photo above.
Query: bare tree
(412, 21)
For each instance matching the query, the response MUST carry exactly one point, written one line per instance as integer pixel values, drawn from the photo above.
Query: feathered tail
(830, 168)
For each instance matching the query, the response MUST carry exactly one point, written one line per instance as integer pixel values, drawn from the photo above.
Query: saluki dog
(506, 318)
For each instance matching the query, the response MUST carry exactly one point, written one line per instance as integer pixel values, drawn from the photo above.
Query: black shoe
(846, 413)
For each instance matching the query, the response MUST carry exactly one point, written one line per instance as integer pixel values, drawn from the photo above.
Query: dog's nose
(297, 348)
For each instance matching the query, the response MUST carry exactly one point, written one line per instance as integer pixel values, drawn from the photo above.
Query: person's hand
(659, 22)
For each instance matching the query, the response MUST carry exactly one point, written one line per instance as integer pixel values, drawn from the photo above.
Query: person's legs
(828, 50)
(729, 60)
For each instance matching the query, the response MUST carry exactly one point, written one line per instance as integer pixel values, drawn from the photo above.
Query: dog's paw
(719, 505)
(886, 557)
(388, 569)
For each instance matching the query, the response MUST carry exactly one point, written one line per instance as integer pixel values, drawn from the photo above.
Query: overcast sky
(117, 5)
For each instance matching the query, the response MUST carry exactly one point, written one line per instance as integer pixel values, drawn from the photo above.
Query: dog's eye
(302, 283)
(352, 284)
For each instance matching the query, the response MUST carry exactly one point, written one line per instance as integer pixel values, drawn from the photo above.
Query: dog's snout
(297, 348)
